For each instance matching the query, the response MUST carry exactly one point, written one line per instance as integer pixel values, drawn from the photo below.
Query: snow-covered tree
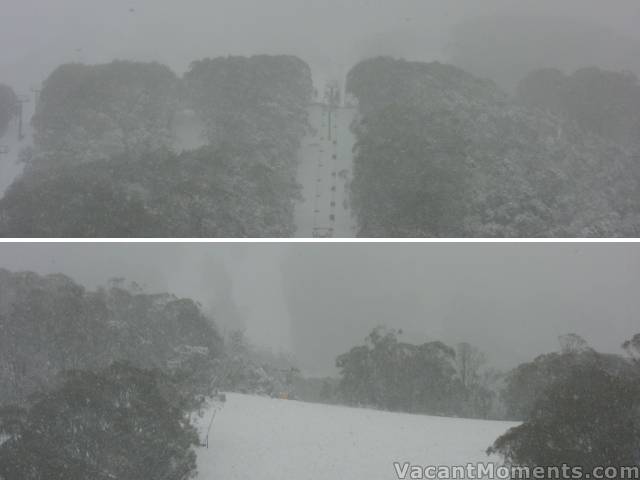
(586, 417)
(528, 382)
(51, 324)
(221, 191)
(388, 373)
(121, 422)
(258, 101)
(93, 112)
(442, 153)
(600, 102)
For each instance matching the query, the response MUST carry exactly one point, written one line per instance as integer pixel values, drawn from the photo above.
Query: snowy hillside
(257, 437)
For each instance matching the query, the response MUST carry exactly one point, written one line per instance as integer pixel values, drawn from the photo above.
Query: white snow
(326, 165)
(270, 439)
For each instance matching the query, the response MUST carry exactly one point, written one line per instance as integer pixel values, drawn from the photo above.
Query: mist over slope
(161, 30)
(506, 47)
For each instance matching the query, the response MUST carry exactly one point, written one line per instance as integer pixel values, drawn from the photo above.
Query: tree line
(105, 383)
(576, 406)
(432, 378)
(580, 407)
(441, 153)
(603, 103)
(102, 383)
(51, 325)
(103, 154)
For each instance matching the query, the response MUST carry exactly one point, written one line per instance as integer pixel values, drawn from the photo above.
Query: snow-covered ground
(258, 437)
(326, 165)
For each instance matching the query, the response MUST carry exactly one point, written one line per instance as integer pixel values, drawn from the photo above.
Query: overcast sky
(37, 35)
(318, 300)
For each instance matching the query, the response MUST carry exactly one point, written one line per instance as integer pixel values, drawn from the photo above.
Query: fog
(331, 35)
(317, 301)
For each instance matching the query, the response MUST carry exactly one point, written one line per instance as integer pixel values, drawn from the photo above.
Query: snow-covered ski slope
(326, 167)
(269, 439)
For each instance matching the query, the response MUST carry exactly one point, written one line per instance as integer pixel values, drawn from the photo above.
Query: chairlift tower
(332, 96)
